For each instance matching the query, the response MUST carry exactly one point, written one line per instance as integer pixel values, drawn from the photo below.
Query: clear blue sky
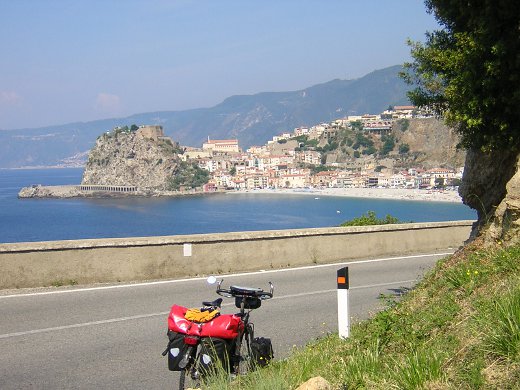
(78, 60)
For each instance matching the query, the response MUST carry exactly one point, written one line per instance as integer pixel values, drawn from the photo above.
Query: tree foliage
(388, 144)
(362, 141)
(403, 124)
(357, 125)
(320, 168)
(404, 148)
(468, 71)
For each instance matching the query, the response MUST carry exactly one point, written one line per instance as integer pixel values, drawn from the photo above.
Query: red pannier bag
(224, 326)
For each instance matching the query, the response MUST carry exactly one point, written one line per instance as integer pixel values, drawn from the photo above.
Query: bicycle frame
(248, 333)
(240, 350)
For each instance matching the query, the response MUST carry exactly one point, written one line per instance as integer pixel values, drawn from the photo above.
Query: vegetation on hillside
(458, 329)
(119, 130)
(409, 143)
(188, 176)
(170, 148)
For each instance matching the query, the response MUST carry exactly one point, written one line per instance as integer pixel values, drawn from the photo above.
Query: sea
(29, 220)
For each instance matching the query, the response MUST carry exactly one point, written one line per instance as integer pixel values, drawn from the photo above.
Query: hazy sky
(79, 60)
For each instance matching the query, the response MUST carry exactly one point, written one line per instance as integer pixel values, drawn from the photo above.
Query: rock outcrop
(39, 191)
(316, 383)
(491, 185)
(432, 143)
(132, 159)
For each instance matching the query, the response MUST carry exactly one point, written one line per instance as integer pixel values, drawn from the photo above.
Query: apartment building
(308, 157)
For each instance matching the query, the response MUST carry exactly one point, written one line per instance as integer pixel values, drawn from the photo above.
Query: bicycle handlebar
(237, 291)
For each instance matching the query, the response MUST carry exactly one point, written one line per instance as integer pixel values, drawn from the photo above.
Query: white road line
(165, 313)
(223, 275)
(84, 324)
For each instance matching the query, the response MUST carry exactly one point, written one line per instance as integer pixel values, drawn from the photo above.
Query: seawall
(147, 258)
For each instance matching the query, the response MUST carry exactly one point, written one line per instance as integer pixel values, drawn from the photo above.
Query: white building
(223, 145)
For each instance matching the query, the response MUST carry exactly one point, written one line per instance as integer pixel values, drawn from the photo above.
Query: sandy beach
(374, 193)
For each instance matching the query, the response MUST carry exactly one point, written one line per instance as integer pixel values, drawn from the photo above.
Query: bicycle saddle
(216, 303)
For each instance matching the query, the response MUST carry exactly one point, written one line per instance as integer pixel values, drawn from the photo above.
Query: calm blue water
(23, 220)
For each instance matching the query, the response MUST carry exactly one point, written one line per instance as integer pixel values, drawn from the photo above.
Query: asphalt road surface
(111, 337)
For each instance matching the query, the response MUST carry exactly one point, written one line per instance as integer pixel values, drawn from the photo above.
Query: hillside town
(350, 156)
(283, 163)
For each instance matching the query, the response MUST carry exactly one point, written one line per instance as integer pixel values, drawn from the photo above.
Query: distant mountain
(253, 119)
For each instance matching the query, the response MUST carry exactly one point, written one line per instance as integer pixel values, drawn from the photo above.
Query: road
(111, 337)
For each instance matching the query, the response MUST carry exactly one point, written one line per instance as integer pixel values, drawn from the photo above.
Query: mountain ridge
(252, 119)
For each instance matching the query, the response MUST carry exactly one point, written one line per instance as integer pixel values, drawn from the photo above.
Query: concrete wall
(128, 259)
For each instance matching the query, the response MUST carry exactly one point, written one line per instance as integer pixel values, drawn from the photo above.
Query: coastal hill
(417, 142)
(129, 161)
(143, 158)
(252, 119)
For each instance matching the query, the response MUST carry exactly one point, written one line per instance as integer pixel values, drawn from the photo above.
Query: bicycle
(197, 349)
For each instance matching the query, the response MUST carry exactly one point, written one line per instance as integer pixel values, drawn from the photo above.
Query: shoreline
(71, 191)
(372, 193)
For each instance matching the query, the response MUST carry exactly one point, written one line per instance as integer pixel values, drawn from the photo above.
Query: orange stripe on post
(342, 278)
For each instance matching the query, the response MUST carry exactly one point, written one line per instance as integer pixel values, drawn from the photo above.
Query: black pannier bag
(249, 302)
(262, 351)
(176, 350)
(214, 354)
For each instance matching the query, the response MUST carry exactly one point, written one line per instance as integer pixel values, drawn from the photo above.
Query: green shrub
(370, 218)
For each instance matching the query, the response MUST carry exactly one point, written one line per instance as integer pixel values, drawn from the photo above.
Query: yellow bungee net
(197, 315)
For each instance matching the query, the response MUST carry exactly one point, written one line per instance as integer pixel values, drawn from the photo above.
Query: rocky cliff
(130, 159)
(432, 143)
(416, 143)
(491, 185)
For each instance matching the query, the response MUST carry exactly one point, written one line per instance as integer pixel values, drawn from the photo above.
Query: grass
(458, 329)
(501, 327)
(60, 283)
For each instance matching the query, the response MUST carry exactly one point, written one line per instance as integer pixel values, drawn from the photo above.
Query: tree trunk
(491, 185)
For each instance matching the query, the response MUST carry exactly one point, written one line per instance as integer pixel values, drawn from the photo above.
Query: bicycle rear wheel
(189, 379)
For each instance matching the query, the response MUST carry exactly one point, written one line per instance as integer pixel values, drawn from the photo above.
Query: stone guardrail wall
(130, 259)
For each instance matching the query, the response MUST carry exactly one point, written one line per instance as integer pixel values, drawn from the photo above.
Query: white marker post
(343, 303)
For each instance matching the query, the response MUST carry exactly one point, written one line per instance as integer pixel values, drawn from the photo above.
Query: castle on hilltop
(154, 132)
